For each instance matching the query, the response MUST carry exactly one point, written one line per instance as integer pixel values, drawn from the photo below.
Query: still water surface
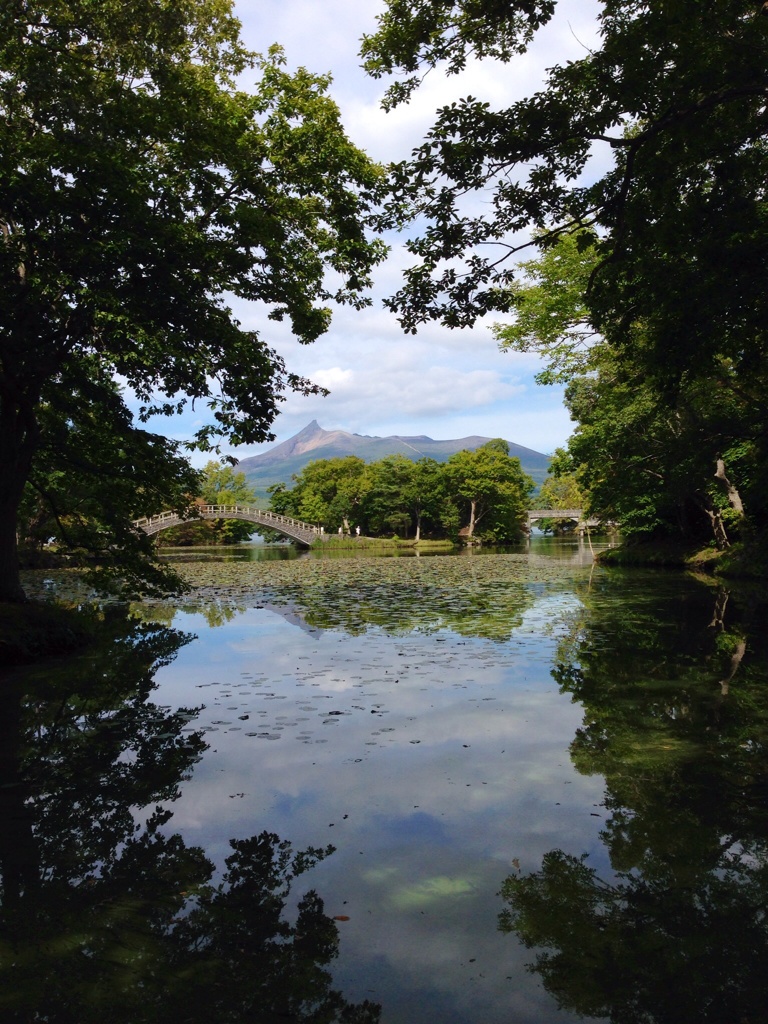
(543, 784)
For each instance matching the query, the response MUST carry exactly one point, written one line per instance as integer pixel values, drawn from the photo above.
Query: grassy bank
(746, 560)
(335, 543)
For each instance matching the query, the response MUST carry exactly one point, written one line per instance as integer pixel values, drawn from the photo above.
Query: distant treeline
(481, 494)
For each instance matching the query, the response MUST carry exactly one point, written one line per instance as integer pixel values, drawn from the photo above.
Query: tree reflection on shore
(678, 932)
(106, 915)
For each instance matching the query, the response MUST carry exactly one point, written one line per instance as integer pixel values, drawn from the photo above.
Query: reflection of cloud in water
(418, 827)
(428, 760)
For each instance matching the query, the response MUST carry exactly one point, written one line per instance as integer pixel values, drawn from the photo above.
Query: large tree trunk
(10, 584)
(718, 612)
(472, 520)
(736, 658)
(18, 440)
(715, 519)
(733, 495)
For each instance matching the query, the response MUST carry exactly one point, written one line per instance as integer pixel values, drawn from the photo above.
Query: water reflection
(107, 914)
(405, 710)
(575, 549)
(234, 553)
(445, 723)
(673, 688)
(484, 597)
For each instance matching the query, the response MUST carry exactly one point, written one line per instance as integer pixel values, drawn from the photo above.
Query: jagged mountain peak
(279, 464)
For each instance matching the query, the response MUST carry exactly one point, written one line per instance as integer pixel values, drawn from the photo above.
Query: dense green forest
(481, 494)
(684, 462)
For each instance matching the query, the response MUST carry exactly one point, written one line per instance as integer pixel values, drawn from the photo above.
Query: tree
(404, 494)
(673, 106)
(387, 510)
(551, 316)
(653, 458)
(489, 485)
(138, 188)
(219, 485)
(651, 150)
(649, 462)
(329, 492)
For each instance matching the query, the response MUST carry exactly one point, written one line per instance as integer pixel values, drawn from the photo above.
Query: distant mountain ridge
(278, 464)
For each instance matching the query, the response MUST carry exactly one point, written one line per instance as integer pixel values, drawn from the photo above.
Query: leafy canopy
(654, 140)
(140, 190)
(639, 172)
(141, 186)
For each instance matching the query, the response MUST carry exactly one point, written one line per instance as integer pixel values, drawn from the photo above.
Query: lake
(468, 789)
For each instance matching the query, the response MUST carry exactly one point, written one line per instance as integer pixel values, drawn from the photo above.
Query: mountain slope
(280, 463)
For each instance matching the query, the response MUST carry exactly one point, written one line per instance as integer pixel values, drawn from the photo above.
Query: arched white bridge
(304, 533)
(561, 513)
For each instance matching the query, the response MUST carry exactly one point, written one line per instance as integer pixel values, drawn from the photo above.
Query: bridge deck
(576, 514)
(304, 533)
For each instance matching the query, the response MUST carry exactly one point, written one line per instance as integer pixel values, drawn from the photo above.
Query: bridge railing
(262, 513)
(162, 517)
(264, 516)
(555, 513)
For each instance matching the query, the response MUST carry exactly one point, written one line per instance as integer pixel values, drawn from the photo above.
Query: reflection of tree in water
(216, 611)
(680, 933)
(104, 919)
(493, 612)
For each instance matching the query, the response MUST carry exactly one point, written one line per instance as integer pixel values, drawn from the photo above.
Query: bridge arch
(576, 514)
(555, 513)
(304, 533)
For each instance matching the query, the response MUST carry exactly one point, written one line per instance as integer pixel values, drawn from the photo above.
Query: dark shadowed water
(467, 790)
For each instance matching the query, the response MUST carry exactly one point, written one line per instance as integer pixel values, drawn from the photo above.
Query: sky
(443, 383)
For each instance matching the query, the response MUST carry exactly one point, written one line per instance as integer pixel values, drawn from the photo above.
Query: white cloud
(334, 378)
(365, 395)
(326, 37)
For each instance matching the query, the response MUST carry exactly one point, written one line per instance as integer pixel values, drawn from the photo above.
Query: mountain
(280, 463)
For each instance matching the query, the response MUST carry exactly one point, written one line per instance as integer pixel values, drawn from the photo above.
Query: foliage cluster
(481, 494)
(639, 173)
(140, 186)
(661, 461)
